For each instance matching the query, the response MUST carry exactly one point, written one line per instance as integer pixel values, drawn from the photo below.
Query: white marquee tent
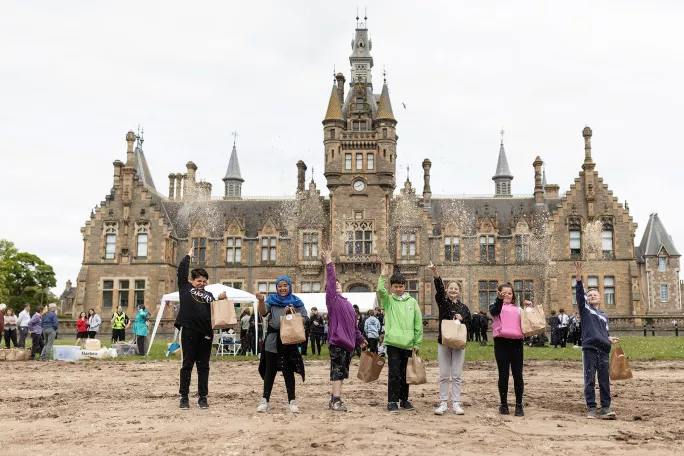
(365, 301)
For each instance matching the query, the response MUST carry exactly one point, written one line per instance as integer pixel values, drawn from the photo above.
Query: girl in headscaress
(508, 345)
(196, 333)
(450, 359)
(278, 356)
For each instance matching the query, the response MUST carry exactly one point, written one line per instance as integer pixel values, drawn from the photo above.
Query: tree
(24, 277)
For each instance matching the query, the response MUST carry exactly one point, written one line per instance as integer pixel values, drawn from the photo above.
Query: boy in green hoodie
(403, 336)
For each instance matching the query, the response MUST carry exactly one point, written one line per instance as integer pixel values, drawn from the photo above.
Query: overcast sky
(76, 76)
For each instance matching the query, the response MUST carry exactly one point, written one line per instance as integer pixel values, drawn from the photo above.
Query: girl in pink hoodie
(508, 345)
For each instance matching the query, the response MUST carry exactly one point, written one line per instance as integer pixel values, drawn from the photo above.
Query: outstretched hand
(528, 304)
(379, 260)
(614, 340)
(433, 269)
(578, 271)
(327, 255)
(191, 252)
(259, 297)
(222, 295)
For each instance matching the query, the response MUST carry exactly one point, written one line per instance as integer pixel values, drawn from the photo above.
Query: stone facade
(136, 236)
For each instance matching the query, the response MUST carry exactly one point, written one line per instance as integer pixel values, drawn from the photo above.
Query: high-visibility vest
(119, 321)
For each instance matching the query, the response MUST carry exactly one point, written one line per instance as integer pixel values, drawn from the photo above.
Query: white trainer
(441, 409)
(263, 406)
(458, 410)
(293, 406)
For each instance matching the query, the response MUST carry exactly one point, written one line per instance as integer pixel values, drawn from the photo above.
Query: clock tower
(360, 160)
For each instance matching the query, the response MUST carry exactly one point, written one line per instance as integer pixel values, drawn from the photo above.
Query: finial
(235, 135)
(384, 75)
(141, 136)
(334, 74)
(312, 174)
(357, 17)
(408, 171)
(365, 14)
(502, 134)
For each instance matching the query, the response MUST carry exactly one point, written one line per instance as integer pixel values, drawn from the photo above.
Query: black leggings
(316, 342)
(270, 375)
(10, 334)
(509, 355)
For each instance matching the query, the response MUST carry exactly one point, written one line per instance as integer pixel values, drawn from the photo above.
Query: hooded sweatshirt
(403, 319)
(594, 323)
(342, 328)
(505, 320)
(195, 304)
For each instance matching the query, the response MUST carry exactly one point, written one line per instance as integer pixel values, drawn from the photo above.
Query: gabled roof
(142, 168)
(656, 238)
(70, 293)
(384, 105)
(334, 111)
(502, 170)
(233, 172)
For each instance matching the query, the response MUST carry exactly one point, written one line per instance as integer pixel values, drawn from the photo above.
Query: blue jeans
(593, 362)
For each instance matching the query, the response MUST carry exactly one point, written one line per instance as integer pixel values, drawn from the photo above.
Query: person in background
(484, 326)
(22, 323)
(553, 325)
(372, 328)
(120, 323)
(50, 326)
(244, 332)
(382, 349)
(81, 329)
(316, 327)
(508, 345)
(140, 328)
(653, 329)
(10, 328)
(474, 325)
(361, 325)
(325, 329)
(563, 322)
(2, 319)
(94, 322)
(645, 326)
(380, 315)
(576, 330)
(278, 356)
(676, 328)
(35, 328)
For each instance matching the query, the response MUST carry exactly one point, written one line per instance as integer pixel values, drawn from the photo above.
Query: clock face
(359, 185)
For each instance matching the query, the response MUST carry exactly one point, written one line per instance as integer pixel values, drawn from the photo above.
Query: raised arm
(330, 279)
(495, 307)
(382, 291)
(261, 305)
(579, 289)
(184, 269)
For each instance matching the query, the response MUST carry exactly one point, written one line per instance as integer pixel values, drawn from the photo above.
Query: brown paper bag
(370, 366)
(223, 314)
(454, 334)
(415, 371)
(292, 329)
(619, 366)
(532, 320)
(3, 354)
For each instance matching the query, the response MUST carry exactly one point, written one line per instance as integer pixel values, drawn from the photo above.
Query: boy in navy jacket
(596, 343)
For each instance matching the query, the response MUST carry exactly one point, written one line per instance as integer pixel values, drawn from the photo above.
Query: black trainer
(503, 409)
(392, 407)
(406, 406)
(184, 403)
(519, 410)
(202, 402)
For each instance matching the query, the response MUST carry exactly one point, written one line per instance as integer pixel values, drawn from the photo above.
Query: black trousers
(92, 334)
(304, 346)
(483, 333)
(373, 345)
(10, 334)
(397, 388)
(476, 334)
(563, 332)
(141, 345)
(195, 350)
(316, 339)
(37, 344)
(270, 375)
(509, 356)
(23, 334)
(119, 335)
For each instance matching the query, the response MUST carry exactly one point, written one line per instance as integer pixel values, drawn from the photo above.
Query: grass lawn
(635, 347)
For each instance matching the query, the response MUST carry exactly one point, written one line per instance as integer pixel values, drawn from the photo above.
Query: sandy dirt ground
(131, 408)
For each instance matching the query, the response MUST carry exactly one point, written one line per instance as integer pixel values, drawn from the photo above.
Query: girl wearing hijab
(278, 356)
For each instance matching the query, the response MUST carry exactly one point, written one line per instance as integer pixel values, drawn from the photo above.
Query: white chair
(220, 347)
(232, 343)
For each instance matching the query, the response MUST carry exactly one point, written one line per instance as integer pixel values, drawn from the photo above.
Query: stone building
(136, 236)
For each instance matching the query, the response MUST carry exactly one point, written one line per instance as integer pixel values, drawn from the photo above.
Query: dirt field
(100, 408)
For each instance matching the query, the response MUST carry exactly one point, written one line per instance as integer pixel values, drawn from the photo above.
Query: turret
(503, 177)
(233, 179)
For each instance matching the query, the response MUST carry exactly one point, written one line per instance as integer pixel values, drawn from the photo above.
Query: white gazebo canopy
(365, 301)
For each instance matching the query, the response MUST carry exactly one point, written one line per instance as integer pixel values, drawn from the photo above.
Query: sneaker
(519, 410)
(406, 406)
(607, 413)
(392, 407)
(184, 403)
(591, 414)
(441, 409)
(338, 406)
(458, 410)
(503, 409)
(263, 406)
(202, 402)
(293, 406)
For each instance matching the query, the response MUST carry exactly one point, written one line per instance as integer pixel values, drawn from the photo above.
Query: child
(403, 336)
(196, 333)
(382, 349)
(596, 344)
(372, 328)
(81, 329)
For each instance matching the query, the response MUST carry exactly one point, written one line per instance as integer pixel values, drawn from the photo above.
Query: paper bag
(415, 371)
(454, 334)
(532, 321)
(292, 329)
(370, 366)
(619, 366)
(223, 314)
(92, 344)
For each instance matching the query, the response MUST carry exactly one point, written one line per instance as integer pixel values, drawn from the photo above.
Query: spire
(384, 105)
(142, 168)
(334, 105)
(361, 60)
(544, 177)
(503, 176)
(233, 179)
(656, 239)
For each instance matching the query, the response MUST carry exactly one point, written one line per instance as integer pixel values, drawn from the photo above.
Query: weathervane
(235, 135)
(502, 134)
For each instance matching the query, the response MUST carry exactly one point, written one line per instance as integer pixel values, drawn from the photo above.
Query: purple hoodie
(342, 328)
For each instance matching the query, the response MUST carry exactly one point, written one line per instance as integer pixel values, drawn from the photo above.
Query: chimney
(427, 192)
(340, 86)
(189, 187)
(588, 162)
(130, 139)
(68, 285)
(301, 175)
(179, 186)
(172, 185)
(551, 191)
(538, 188)
(117, 173)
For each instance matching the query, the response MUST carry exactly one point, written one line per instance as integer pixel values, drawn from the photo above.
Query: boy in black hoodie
(196, 333)
(596, 343)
